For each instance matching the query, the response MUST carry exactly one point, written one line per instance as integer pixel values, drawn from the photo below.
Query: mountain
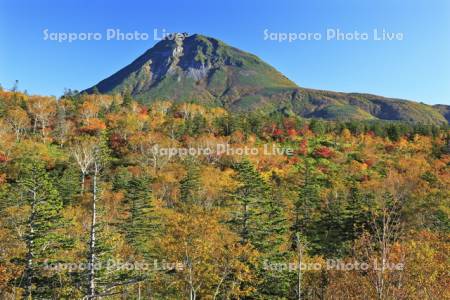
(206, 70)
(444, 110)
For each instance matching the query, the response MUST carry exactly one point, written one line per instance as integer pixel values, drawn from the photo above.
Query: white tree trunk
(30, 254)
(92, 256)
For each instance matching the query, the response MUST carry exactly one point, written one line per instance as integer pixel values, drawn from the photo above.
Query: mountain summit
(206, 70)
(196, 68)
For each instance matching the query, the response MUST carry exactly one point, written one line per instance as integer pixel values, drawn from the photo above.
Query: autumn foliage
(212, 226)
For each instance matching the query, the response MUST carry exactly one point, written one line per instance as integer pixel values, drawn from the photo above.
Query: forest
(90, 208)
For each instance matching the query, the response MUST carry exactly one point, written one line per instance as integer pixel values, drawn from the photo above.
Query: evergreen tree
(317, 126)
(41, 236)
(127, 98)
(61, 127)
(121, 179)
(95, 90)
(67, 182)
(141, 224)
(307, 202)
(224, 125)
(274, 284)
(140, 228)
(332, 229)
(394, 132)
(355, 127)
(378, 129)
(341, 221)
(259, 221)
(190, 184)
(357, 215)
(198, 124)
(248, 199)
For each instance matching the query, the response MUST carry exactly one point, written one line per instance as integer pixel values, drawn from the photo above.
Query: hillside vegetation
(82, 183)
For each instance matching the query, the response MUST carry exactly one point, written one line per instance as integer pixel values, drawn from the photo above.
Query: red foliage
(277, 132)
(303, 147)
(3, 158)
(371, 133)
(369, 162)
(143, 110)
(322, 169)
(117, 141)
(323, 152)
(294, 160)
(292, 132)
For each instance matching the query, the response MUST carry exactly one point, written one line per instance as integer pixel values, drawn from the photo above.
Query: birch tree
(83, 150)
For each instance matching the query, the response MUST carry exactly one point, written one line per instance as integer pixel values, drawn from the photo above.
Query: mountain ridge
(206, 70)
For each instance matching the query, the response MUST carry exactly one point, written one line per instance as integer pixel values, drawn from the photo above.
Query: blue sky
(416, 68)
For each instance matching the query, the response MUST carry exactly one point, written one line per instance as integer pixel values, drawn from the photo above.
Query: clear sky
(416, 67)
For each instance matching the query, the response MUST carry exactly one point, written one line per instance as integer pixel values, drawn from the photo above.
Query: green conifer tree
(190, 184)
(42, 236)
(142, 223)
(259, 220)
(307, 202)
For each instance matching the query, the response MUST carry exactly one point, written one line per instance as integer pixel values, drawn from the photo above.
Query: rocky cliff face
(206, 70)
(444, 110)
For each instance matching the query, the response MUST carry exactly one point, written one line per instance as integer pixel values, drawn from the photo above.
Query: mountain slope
(444, 110)
(195, 68)
(206, 70)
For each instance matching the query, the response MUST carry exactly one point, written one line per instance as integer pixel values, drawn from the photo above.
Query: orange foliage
(93, 125)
